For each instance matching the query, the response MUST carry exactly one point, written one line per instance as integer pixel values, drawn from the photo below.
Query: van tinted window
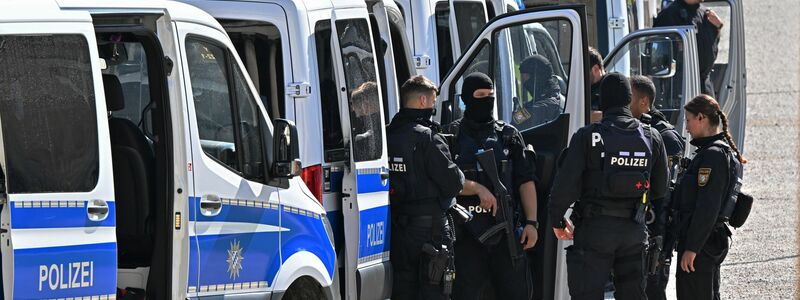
(228, 118)
(333, 140)
(362, 89)
(470, 18)
(47, 106)
(443, 42)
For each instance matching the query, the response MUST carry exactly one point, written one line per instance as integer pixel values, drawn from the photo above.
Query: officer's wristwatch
(535, 224)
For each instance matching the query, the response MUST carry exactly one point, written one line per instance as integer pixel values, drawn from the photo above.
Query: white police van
(617, 28)
(334, 68)
(137, 157)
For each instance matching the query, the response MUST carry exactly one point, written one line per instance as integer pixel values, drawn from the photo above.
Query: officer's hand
(529, 237)
(566, 233)
(687, 261)
(713, 18)
(487, 200)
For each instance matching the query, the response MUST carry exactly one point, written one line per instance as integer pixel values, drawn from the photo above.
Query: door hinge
(422, 61)
(616, 23)
(298, 89)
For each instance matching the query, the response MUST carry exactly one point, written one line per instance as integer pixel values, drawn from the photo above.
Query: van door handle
(210, 205)
(384, 174)
(97, 210)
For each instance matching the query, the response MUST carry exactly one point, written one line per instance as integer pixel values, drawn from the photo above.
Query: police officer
(541, 84)
(596, 74)
(423, 184)
(481, 264)
(707, 24)
(642, 96)
(706, 183)
(611, 168)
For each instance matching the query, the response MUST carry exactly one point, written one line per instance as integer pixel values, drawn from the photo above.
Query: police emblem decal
(235, 259)
(703, 175)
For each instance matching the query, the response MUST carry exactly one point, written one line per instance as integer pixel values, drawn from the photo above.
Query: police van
(138, 160)
(334, 68)
(620, 28)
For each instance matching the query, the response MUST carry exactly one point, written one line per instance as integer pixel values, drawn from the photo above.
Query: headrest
(114, 98)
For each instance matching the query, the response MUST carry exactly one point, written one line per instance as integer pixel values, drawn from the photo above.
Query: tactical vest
(625, 157)
(687, 188)
(464, 153)
(410, 188)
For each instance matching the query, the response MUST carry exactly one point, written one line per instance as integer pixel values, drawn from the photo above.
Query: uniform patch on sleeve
(703, 175)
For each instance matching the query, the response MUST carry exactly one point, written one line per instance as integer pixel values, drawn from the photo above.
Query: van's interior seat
(133, 163)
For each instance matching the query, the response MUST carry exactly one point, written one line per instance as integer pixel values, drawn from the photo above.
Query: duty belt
(589, 210)
(421, 221)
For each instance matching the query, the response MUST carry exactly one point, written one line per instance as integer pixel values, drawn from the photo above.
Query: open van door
(58, 221)
(668, 55)
(546, 125)
(729, 74)
(365, 186)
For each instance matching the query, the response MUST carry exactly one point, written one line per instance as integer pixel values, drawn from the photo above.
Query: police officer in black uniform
(702, 192)
(611, 168)
(597, 71)
(642, 96)
(423, 185)
(707, 24)
(490, 264)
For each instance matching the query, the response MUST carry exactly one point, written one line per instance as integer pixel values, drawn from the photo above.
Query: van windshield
(362, 89)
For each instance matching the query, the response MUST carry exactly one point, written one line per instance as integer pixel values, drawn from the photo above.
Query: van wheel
(304, 288)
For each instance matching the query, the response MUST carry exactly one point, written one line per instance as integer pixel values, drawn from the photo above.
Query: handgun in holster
(654, 247)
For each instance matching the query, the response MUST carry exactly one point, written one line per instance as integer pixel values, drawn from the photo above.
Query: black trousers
(657, 283)
(703, 284)
(603, 244)
(482, 269)
(410, 264)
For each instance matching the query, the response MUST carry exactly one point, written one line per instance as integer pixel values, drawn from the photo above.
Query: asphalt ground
(762, 262)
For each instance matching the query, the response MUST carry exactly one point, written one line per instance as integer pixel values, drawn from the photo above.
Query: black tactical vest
(625, 157)
(410, 188)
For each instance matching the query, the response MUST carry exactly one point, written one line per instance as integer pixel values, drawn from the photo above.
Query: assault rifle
(505, 207)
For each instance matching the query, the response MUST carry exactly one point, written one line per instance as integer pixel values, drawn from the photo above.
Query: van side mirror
(658, 59)
(286, 154)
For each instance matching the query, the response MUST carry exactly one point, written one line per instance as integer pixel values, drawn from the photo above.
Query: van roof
(177, 11)
(37, 11)
(309, 5)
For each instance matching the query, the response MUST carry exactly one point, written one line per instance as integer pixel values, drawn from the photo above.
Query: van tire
(304, 288)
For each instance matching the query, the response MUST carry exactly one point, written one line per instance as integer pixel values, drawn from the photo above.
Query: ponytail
(724, 120)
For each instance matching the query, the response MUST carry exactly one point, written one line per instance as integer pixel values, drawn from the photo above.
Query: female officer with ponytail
(705, 185)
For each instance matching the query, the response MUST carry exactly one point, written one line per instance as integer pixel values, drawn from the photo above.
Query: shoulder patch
(703, 175)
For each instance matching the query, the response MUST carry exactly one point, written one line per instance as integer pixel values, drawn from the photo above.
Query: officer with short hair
(596, 74)
(490, 261)
(423, 184)
(611, 169)
(643, 93)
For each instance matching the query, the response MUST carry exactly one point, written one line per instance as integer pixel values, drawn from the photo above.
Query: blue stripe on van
(65, 272)
(371, 183)
(61, 216)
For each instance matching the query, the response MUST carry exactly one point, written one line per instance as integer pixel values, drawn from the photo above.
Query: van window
(470, 18)
(381, 46)
(362, 89)
(49, 119)
(444, 44)
(333, 140)
(228, 120)
(260, 48)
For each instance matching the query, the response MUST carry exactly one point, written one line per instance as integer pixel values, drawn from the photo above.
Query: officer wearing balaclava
(541, 95)
(490, 262)
(611, 169)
